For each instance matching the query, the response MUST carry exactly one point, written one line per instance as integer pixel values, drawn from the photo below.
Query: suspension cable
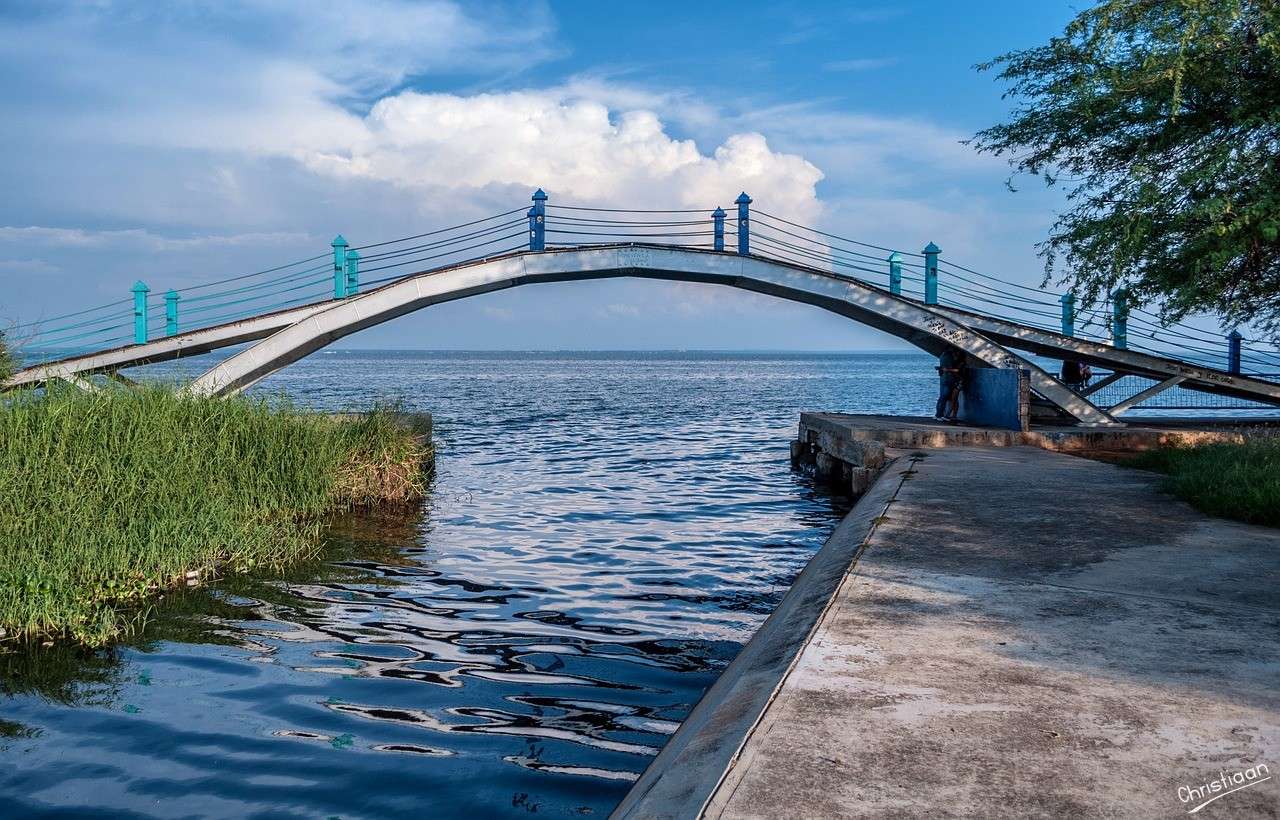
(832, 235)
(440, 231)
(204, 285)
(631, 210)
(76, 313)
(446, 253)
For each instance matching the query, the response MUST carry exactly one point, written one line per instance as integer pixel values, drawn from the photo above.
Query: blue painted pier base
(997, 398)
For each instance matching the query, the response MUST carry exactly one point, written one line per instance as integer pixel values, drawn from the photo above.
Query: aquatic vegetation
(77, 675)
(108, 497)
(1240, 481)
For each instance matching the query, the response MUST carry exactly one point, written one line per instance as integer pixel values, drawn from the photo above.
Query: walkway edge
(687, 772)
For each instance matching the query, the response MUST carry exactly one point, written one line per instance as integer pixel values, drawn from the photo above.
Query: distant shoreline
(680, 351)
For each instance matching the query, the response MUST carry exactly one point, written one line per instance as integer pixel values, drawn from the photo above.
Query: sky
(184, 142)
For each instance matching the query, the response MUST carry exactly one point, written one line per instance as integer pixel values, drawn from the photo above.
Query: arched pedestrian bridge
(806, 266)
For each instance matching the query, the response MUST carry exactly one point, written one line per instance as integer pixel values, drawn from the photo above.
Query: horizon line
(610, 350)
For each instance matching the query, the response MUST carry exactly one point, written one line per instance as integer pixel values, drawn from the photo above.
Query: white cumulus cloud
(575, 147)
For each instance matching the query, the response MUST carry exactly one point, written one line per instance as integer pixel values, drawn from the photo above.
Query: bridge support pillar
(744, 224)
(140, 291)
(717, 221)
(353, 273)
(997, 397)
(895, 273)
(1120, 319)
(538, 221)
(1233, 352)
(1068, 301)
(339, 267)
(171, 313)
(931, 252)
(826, 468)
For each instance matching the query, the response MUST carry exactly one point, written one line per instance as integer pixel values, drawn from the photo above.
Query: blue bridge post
(1233, 352)
(744, 224)
(1068, 301)
(931, 252)
(538, 221)
(717, 219)
(353, 273)
(140, 291)
(339, 267)
(895, 273)
(1120, 319)
(171, 312)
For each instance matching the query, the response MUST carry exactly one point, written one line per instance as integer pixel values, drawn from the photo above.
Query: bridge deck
(874, 305)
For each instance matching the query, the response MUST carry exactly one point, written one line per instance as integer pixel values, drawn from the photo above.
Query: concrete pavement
(1024, 633)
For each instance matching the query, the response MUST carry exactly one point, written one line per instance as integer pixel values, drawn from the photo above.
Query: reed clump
(7, 364)
(108, 497)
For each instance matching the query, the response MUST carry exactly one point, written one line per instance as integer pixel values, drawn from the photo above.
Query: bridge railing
(1114, 391)
(346, 270)
(935, 280)
(343, 271)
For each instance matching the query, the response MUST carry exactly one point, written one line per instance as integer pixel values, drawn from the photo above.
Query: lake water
(604, 532)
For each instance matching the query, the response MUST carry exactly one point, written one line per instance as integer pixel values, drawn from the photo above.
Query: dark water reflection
(604, 532)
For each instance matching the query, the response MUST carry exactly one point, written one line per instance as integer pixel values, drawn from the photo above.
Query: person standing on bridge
(1076, 374)
(952, 369)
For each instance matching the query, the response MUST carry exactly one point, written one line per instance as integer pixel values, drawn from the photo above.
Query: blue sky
(183, 142)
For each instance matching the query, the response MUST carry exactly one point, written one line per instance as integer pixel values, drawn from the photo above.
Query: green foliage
(1162, 118)
(1240, 481)
(106, 497)
(77, 675)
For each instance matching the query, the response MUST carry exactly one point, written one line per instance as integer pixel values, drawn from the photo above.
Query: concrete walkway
(1025, 633)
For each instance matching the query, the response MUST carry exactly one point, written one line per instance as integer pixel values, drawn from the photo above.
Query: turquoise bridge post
(1233, 352)
(140, 291)
(1120, 319)
(931, 252)
(339, 267)
(895, 273)
(171, 312)
(538, 221)
(1068, 301)
(717, 220)
(744, 224)
(353, 273)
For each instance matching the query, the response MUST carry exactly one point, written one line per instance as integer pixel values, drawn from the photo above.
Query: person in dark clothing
(1076, 374)
(951, 372)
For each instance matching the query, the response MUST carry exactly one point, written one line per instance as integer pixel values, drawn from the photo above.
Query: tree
(1161, 119)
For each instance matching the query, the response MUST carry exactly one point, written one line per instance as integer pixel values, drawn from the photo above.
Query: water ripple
(604, 533)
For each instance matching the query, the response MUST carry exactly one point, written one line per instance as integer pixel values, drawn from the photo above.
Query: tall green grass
(7, 364)
(1240, 481)
(73, 674)
(108, 497)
